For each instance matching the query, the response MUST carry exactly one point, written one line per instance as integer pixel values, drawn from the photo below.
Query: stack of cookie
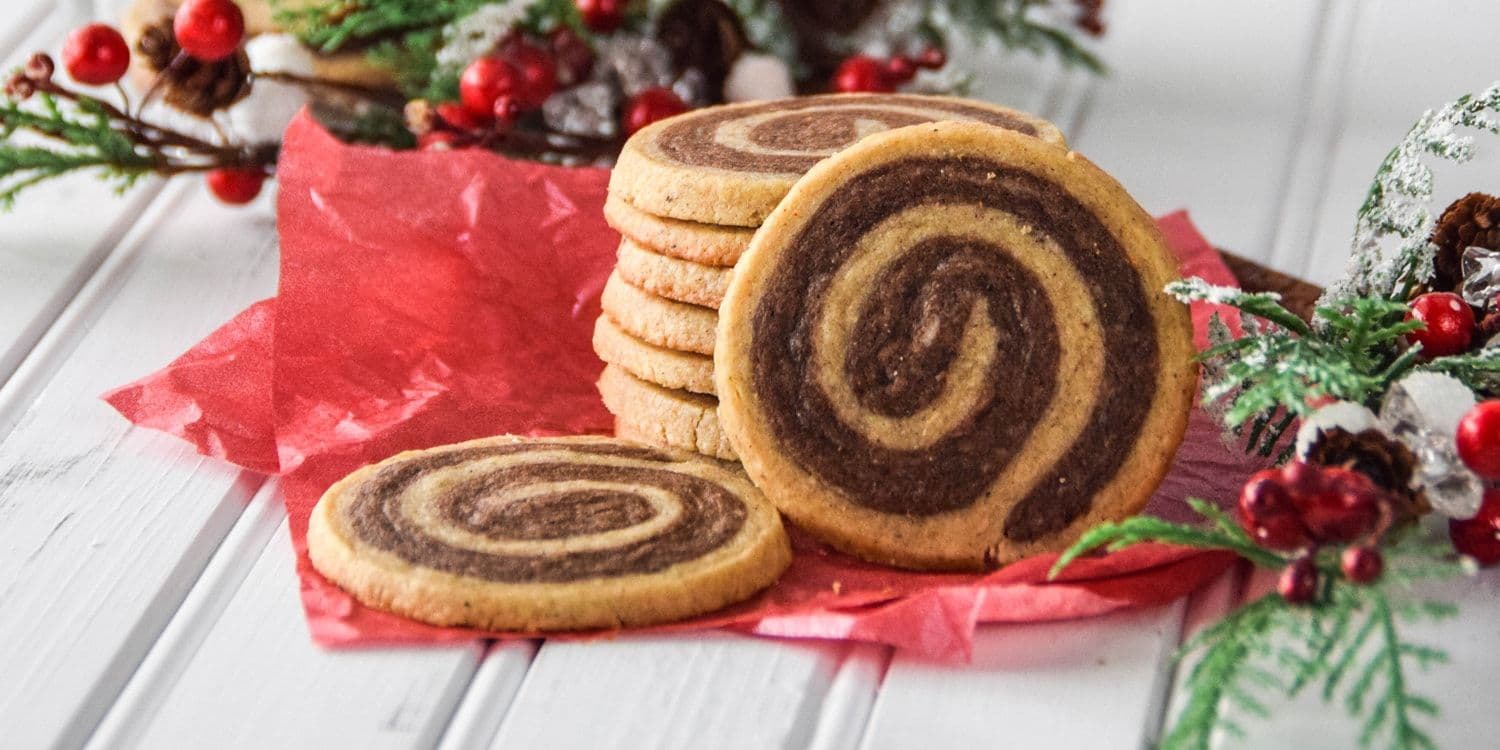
(687, 196)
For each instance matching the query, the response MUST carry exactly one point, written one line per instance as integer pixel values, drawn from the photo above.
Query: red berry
(862, 73)
(932, 58)
(484, 81)
(1479, 537)
(1361, 564)
(900, 69)
(1268, 515)
(209, 30)
(574, 56)
(1478, 439)
(507, 111)
(602, 16)
(1299, 581)
(538, 73)
(236, 185)
(96, 55)
(1344, 507)
(1449, 320)
(651, 106)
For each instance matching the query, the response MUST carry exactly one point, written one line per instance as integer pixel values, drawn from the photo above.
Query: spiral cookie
(949, 348)
(733, 164)
(673, 278)
(707, 244)
(657, 320)
(668, 368)
(662, 416)
(574, 533)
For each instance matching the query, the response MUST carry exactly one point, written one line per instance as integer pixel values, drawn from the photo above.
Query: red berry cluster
(497, 90)
(1478, 444)
(209, 30)
(1302, 507)
(862, 73)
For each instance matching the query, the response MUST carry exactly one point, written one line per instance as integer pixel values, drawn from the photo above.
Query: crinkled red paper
(429, 297)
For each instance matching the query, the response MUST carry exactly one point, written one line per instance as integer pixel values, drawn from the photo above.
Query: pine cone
(1471, 221)
(841, 16)
(192, 85)
(1387, 463)
(703, 35)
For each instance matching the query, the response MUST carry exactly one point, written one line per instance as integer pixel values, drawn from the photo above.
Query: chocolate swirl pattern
(564, 533)
(949, 349)
(731, 165)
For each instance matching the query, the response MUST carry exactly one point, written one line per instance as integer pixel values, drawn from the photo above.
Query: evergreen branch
(1395, 706)
(1264, 305)
(330, 25)
(87, 138)
(1480, 370)
(1228, 648)
(1223, 535)
(1013, 22)
(1397, 201)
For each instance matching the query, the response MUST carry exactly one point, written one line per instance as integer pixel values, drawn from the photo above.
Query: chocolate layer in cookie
(904, 345)
(790, 136)
(708, 515)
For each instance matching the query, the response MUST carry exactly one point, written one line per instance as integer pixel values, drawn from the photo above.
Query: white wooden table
(147, 595)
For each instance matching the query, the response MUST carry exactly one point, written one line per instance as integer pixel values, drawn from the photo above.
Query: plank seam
(170, 653)
(62, 337)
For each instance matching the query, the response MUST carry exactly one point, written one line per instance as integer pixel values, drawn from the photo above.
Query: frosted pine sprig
(1398, 202)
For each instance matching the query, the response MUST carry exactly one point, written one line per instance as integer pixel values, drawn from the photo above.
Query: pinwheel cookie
(672, 278)
(665, 367)
(657, 320)
(949, 348)
(662, 416)
(708, 244)
(526, 534)
(732, 165)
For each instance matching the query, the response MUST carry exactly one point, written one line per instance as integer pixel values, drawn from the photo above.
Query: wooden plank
(673, 691)
(107, 527)
(170, 656)
(1079, 683)
(490, 695)
(258, 681)
(1404, 62)
(851, 698)
(1200, 109)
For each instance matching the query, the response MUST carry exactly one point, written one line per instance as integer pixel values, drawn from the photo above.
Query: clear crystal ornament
(633, 61)
(587, 110)
(1422, 411)
(1481, 270)
(692, 88)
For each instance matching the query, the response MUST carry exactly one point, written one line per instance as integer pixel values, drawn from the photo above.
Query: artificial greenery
(1259, 383)
(405, 36)
(1352, 349)
(1346, 641)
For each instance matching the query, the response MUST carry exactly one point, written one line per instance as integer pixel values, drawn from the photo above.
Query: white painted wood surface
(147, 596)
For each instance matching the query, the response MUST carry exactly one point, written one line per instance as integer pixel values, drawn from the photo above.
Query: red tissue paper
(428, 298)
